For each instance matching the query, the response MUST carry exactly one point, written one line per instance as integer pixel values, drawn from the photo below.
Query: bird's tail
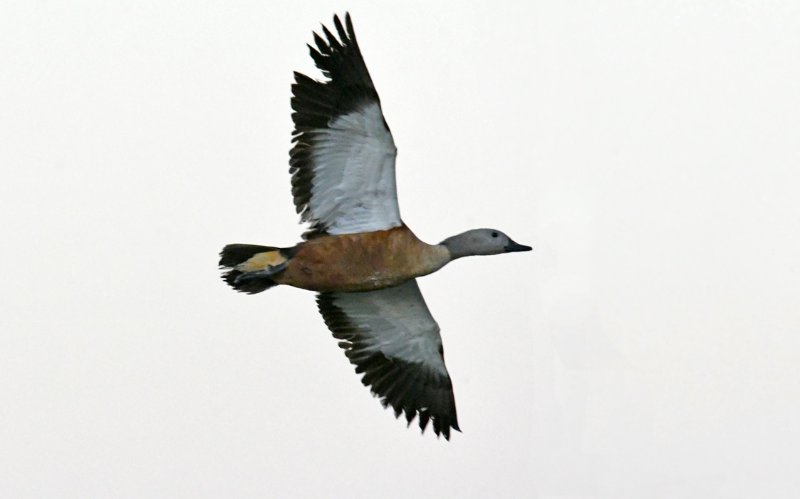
(250, 268)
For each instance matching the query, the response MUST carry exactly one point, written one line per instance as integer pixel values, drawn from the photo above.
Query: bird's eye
(494, 234)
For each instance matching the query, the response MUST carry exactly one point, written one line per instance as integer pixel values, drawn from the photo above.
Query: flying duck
(357, 253)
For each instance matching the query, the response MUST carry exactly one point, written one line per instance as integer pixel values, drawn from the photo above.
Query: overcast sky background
(648, 347)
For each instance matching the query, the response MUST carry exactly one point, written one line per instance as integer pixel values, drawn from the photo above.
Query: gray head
(481, 242)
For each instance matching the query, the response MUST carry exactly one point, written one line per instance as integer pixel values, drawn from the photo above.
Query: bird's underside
(342, 164)
(357, 254)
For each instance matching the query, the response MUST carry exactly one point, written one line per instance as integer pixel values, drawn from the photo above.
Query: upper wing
(342, 161)
(390, 335)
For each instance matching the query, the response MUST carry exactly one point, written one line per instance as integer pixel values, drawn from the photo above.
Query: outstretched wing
(342, 161)
(391, 337)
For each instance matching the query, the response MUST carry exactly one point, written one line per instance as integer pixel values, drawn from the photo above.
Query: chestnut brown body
(361, 262)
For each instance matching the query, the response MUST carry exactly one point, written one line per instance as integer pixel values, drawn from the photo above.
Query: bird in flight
(357, 253)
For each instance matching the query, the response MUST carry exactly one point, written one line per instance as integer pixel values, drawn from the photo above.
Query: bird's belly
(358, 262)
(344, 278)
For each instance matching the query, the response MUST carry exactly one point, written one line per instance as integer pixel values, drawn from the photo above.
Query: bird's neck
(455, 247)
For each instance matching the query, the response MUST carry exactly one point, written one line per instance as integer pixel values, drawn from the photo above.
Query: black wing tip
(408, 395)
(344, 37)
(396, 383)
(339, 57)
(345, 86)
(348, 22)
(442, 423)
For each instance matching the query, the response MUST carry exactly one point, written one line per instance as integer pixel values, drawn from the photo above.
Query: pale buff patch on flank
(261, 261)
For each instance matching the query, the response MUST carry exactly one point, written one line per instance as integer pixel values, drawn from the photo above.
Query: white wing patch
(397, 323)
(391, 337)
(353, 161)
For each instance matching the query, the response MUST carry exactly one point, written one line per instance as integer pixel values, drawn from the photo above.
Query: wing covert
(391, 337)
(343, 158)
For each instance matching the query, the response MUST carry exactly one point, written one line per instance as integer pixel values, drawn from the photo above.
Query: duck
(357, 254)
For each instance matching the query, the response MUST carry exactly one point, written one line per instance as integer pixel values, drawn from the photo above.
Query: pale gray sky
(648, 347)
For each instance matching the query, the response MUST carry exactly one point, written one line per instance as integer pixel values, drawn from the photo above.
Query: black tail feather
(246, 282)
(234, 254)
(240, 282)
